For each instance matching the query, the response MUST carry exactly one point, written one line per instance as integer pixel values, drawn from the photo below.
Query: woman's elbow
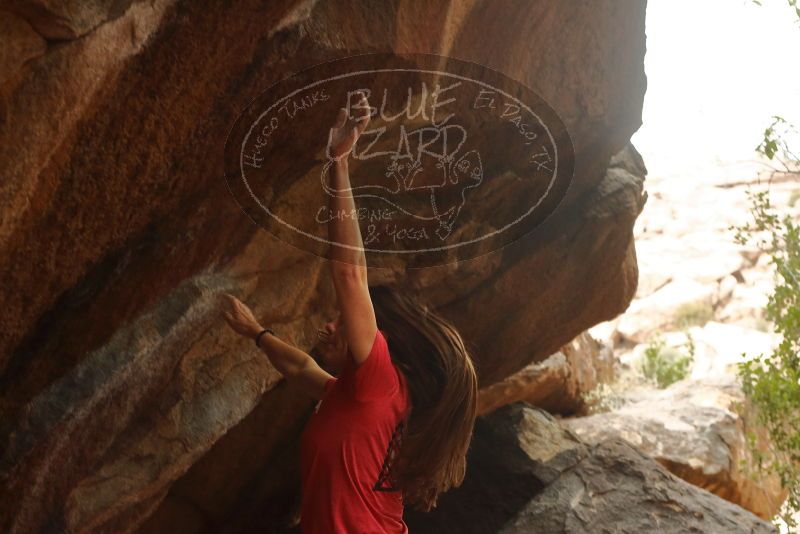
(345, 273)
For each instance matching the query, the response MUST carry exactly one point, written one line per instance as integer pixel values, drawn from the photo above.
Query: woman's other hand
(346, 131)
(239, 316)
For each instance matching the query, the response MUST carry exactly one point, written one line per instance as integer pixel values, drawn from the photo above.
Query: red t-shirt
(347, 446)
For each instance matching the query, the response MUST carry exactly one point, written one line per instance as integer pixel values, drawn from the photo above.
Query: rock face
(123, 402)
(527, 474)
(695, 431)
(558, 383)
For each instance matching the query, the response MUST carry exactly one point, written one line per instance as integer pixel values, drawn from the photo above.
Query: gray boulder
(528, 474)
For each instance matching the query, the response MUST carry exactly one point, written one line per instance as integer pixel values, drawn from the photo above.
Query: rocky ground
(696, 285)
(528, 474)
(700, 297)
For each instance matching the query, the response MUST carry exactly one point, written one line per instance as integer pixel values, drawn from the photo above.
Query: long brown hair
(443, 390)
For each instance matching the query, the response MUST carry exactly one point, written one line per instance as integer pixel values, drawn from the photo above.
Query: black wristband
(258, 337)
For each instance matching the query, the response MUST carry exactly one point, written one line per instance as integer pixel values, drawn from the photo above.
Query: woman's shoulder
(377, 378)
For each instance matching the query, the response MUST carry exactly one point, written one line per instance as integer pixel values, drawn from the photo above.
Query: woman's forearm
(287, 359)
(343, 226)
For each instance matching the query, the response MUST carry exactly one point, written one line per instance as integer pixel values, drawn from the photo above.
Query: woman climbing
(394, 426)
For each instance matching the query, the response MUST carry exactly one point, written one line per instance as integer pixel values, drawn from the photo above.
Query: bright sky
(717, 70)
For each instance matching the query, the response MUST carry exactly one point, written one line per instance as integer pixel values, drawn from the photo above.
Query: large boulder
(696, 429)
(528, 474)
(113, 116)
(559, 383)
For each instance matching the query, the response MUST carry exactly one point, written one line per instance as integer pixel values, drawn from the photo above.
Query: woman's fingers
(341, 118)
(226, 304)
(231, 302)
(363, 118)
(346, 129)
(232, 322)
(362, 112)
(242, 310)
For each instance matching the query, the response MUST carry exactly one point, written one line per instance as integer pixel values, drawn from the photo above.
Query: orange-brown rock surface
(125, 403)
(558, 384)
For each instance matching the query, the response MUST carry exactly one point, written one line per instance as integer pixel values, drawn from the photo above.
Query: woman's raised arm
(348, 262)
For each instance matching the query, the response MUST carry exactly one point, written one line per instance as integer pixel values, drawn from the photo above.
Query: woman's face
(333, 344)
